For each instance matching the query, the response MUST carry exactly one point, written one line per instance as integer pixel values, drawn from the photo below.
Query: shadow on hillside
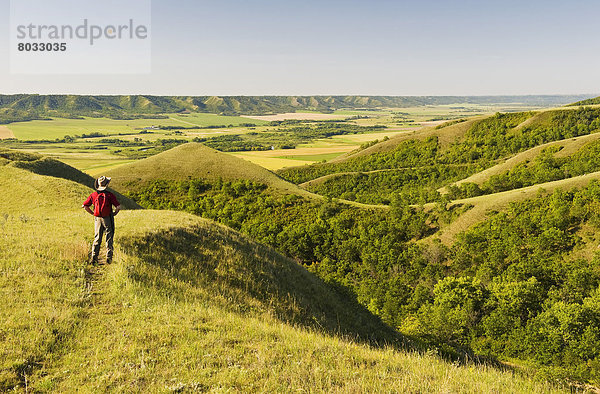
(50, 167)
(243, 276)
(246, 276)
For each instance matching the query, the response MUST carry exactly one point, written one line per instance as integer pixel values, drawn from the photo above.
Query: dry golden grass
(5, 132)
(299, 151)
(362, 138)
(271, 163)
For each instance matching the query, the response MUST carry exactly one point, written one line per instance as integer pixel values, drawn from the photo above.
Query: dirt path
(323, 178)
(296, 116)
(5, 133)
(482, 205)
(183, 121)
(569, 146)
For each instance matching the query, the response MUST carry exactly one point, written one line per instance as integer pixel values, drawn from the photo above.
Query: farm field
(281, 158)
(59, 127)
(296, 116)
(319, 150)
(201, 119)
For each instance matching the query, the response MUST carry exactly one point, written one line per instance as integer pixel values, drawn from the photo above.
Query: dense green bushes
(507, 288)
(544, 168)
(415, 185)
(521, 285)
(485, 142)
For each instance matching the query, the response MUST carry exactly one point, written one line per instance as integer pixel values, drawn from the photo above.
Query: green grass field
(200, 119)
(58, 127)
(187, 305)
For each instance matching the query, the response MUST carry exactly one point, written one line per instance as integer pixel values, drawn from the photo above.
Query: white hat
(101, 183)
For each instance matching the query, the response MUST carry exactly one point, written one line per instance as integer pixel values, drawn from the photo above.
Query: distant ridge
(590, 101)
(19, 107)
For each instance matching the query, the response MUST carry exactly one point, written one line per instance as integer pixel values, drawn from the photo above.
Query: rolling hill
(188, 305)
(196, 161)
(193, 161)
(483, 205)
(445, 134)
(567, 147)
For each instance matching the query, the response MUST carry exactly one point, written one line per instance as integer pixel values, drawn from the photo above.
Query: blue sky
(378, 47)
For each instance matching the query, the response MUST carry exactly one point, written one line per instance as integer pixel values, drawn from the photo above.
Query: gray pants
(101, 225)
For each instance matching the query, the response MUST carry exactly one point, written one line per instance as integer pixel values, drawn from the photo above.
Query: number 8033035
(42, 46)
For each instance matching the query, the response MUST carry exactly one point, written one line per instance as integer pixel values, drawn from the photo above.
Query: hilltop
(187, 305)
(195, 161)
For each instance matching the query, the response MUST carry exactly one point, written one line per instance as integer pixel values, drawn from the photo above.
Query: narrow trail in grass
(324, 178)
(91, 303)
(183, 121)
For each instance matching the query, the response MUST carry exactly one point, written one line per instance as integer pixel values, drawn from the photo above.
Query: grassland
(5, 132)
(187, 305)
(281, 158)
(59, 127)
(204, 120)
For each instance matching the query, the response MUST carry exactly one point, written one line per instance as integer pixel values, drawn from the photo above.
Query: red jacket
(103, 203)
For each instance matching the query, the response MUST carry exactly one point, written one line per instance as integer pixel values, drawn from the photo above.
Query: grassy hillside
(187, 305)
(446, 134)
(482, 206)
(47, 166)
(436, 157)
(195, 161)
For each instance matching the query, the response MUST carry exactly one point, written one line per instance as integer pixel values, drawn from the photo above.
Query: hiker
(103, 202)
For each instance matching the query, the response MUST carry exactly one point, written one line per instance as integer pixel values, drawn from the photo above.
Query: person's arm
(87, 204)
(115, 203)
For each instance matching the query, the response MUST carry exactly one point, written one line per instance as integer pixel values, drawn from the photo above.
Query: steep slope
(483, 205)
(187, 306)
